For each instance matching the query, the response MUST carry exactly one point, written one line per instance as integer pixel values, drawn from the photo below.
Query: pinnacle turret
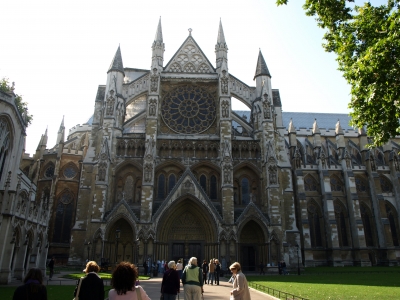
(116, 64)
(261, 68)
(61, 133)
(159, 37)
(221, 50)
(158, 49)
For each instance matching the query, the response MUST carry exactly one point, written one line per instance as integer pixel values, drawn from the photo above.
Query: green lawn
(53, 292)
(337, 283)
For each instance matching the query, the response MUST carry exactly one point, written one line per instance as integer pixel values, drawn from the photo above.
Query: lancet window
(392, 217)
(341, 221)
(367, 223)
(63, 218)
(4, 144)
(314, 216)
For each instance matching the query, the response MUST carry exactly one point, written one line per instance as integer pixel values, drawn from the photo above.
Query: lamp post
(117, 236)
(137, 252)
(88, 250)
(298, 259)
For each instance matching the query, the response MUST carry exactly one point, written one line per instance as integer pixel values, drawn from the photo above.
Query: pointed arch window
(63, 218)
(171, 182)
(366, 219)
(392, 217)
(245, 191)
(213, 188)
(310, 184)
(341, 221)
(386, 185)
(315, 226)
(4, 144)
(336, 184)
(203, 182)
(161, 187)
(361, 185)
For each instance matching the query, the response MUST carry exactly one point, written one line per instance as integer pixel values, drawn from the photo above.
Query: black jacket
(30, 291)
(171, 282)
(92, 288)
(204, 266)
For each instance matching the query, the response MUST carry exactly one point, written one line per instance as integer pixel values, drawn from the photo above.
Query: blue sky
(57, 53)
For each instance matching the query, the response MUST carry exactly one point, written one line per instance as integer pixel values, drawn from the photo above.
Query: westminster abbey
(165, 169)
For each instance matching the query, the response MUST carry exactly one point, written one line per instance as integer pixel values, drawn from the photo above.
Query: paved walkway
(152, 288)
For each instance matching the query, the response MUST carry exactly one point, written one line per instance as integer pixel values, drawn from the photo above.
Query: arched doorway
(253, 248)
(120, 243)
(186, 229)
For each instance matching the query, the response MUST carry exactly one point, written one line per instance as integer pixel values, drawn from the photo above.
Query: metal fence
(273, 292)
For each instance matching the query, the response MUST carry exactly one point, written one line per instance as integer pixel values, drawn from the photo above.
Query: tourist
(204, 267)
(262, 268)
(217, 271)
(123, 283)
(179, 268)
(211, 270)
(240, 285)
(170, 285)
(192, 280)
(90, 287)
(33, 288)
(51, 267)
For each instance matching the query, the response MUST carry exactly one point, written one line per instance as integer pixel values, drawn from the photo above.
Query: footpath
(153, 285)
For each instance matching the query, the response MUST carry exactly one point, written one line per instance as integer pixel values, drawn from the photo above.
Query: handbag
(79, 289)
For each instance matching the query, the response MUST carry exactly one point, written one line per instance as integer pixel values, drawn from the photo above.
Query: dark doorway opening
(248, 260)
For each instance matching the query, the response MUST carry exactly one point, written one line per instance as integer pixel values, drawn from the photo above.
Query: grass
(337, 283)
(64, 292)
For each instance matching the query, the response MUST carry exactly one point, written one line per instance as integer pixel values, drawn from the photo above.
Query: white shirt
(130, 295)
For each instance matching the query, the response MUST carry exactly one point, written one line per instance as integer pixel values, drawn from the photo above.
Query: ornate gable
(189, 59)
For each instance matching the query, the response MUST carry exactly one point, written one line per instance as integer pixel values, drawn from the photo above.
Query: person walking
(51, 267)
(145, 267)
(262, 268)
(211, 270)
(204, 268)
(192, 280)
(33, 288)
(283, 264)
(217, 271)
(240, 286)
(171, 282)
(179, 268)
(90, 287)
(123, 283)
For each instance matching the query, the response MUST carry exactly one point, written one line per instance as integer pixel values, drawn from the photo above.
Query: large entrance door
(186, 251)
(248, 258)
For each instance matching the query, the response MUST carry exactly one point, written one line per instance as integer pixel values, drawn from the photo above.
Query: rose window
(188, 109)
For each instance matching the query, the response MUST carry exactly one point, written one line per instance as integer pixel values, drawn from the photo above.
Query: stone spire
(291, 128)
(158, 49)
(340, 143)
(261, 68)
(317, 135)
(61, 133)
(43, 140)
(116, 64)
(221, 50)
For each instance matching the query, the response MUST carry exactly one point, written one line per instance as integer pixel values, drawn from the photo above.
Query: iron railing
(274, 292)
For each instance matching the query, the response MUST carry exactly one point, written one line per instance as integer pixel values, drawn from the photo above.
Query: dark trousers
(216, 274)
(204, 278)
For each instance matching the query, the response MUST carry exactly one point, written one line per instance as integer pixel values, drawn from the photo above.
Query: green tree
(366, 40)
(21, 105)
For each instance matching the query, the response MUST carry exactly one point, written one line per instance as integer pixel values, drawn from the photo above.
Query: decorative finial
(190, 31)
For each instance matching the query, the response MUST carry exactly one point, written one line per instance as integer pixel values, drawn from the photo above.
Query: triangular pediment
(189, 59)
(188, 185)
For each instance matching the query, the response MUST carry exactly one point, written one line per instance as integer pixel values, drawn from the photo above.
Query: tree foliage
(21, 105)
(366, 40)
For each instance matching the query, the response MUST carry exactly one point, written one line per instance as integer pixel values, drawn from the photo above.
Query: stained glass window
(245, 191)
(171, 182)
(213, 187)
(203, 182)
(188, 109)
(161, 187)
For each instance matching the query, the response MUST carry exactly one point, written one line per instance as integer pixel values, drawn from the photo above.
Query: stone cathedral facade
(165, 169)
